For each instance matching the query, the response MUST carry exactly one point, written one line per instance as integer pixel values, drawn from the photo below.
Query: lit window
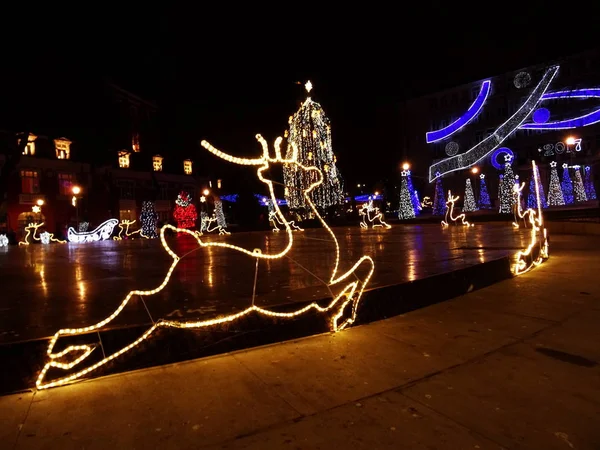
(187, 167)
(135, 142)
(30, 147)
(218, 184)
(65, 182)
(157, 163)
(30, 182)
(63, 148)
(124, 160)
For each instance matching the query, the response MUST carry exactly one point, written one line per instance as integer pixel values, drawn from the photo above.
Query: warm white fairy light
(124, 227)
(538, 236)
(371, 216)
(101, 233)
(450, 211)
(349, 293)
(274, 220)
(206, 225)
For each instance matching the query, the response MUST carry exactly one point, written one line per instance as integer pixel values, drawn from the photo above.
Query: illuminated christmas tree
(148, 220)
(310, 131)
(484, 196)
(578, 188)
(219, 214)
(413, 194)
(469, 204)
(555, 194)
(185, 212)
(531, 197)
(439, 200)
(507, 183)
(588, 183)
(406, 210)
(567, 185)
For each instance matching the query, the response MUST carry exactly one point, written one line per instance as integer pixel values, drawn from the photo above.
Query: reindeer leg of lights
(519, 214)
(351, 292)
(450, 210)
(34, 227)
(525, 261)
(363, 214)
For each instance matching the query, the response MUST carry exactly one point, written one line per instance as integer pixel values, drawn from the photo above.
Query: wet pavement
(45, 288)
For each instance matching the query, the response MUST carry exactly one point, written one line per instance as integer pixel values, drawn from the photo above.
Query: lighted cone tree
(310, 131)
(578, 188)
(567, 185)
(148, 220)
(413, 194)
(588, 183)
(507, 198)
(439, 200)
(555, 193)
(406, 210)
(531, 197)
(469, 204)
(185, 212)
(219, 214)
(484, 196)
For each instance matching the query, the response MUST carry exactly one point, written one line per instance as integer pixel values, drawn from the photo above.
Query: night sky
(226, 75)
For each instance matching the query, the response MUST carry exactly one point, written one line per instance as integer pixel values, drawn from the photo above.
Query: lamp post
(76, 190)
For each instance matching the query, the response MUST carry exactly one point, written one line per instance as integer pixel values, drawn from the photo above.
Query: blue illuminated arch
(470, 114)
(575, 122)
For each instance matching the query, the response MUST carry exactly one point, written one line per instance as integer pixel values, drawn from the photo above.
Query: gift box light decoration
(100, 233)
(449, 218)
(372, 217)
(346, 288)
(3, 240)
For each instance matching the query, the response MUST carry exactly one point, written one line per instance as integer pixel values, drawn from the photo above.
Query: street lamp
(570, 140)
(475, 170)
(405, 166)
(76, 190)
(205, 192)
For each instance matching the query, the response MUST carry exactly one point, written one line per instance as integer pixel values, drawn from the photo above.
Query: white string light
(350, 292)
(274, 220)
(45, 237)
(3, 240)
(101, 233)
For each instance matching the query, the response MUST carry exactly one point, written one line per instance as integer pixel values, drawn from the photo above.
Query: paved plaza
(45, 288)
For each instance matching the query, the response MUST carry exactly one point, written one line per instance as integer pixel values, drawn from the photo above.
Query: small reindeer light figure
(450, 211)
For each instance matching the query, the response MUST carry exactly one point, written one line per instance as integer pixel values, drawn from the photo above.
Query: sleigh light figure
(450, 213)
(346, 288)
(370, 215)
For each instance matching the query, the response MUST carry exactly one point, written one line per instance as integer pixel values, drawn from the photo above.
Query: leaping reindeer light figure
(349, 291)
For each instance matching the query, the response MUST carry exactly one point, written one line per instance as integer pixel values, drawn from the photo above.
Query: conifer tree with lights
(413, 194)
(588, 183)
(531, 196)
(219, 214)
(310, 131)
(439, 200)
(185, 212)
(469, 204)
(484, 196)
(567, 185)
(555, 193)
(578, 187)
(148, 220)
(507, 198)
(406, 209)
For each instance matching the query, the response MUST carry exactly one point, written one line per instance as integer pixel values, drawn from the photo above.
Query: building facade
(534, 113)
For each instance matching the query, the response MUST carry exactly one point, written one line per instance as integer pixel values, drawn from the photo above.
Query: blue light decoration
(482, 149)
(575, 122)
(367, 197)
(484, 197)
(499, 151)
(541, 115)
(470, 114)
(588, 183)
(411, 190)
(566, 185)
(232, 198)
(531, 197)
(439, 200)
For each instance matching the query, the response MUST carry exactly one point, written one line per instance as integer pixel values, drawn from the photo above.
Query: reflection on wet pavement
(45, 288)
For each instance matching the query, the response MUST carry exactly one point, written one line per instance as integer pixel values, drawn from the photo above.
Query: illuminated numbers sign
(560, 147)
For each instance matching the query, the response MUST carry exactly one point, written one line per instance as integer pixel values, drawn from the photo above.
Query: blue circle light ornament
(541, 115)
(501, 151)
